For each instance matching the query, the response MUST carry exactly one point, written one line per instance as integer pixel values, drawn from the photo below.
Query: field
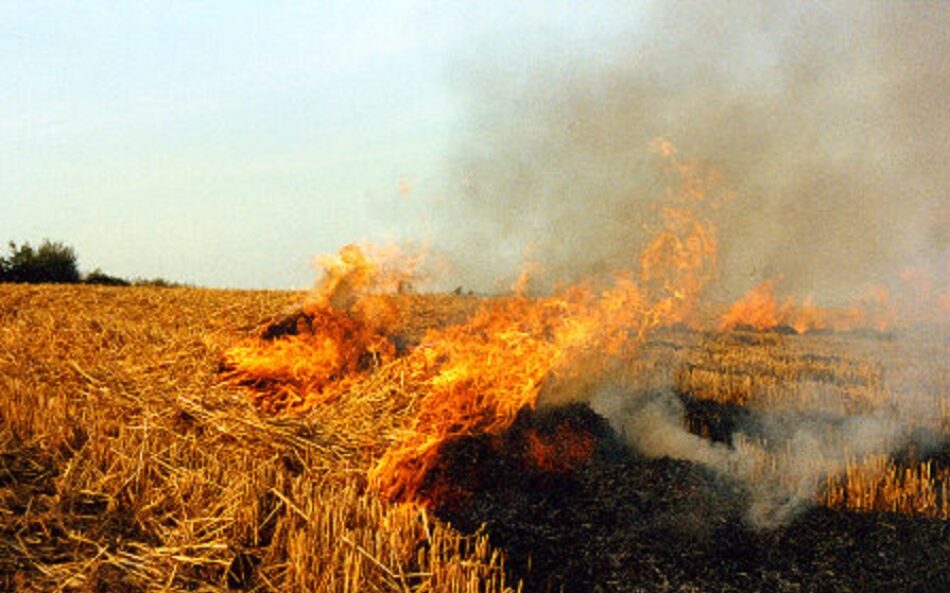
(130, 461)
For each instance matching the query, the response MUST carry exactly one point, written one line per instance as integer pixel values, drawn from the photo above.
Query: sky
(226, 144)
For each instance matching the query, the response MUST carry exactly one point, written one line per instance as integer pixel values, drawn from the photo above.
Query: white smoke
(782, 472)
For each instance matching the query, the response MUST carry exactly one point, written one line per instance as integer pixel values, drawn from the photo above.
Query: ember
(623, 522)
(490, 428)
(560, 452)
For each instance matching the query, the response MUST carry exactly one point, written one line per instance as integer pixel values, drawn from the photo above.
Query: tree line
(57, 263)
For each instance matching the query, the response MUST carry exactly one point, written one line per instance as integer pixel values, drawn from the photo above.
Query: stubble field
(128, 462)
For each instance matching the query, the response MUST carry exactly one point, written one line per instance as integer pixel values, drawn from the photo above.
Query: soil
(622, 522)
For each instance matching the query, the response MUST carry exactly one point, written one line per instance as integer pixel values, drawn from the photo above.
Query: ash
(623, 522)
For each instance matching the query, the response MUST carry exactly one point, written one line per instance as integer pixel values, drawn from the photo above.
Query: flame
(944, 304)
(477, 376)
(878, 311)
(759, 309)
(358, 271)
(341, 334)
(480, 374)
(404, 185)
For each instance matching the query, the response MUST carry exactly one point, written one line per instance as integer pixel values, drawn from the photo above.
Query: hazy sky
(225, 144)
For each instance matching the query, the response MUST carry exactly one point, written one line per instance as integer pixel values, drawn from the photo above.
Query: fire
(475, 377)
(944, 304)
(559, 452)
(481, 374)
(759, 309)
(944, 299)
(341, 334)
(926, 296)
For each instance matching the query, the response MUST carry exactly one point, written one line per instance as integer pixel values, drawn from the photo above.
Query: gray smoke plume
(783, 473)
(828, 120)
(784, 455)
(829, 123)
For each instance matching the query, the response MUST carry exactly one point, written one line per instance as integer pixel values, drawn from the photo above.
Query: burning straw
(475, 377)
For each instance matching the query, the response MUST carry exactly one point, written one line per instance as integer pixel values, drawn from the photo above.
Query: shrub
(97, 276)
(157, 283)
(51, 262)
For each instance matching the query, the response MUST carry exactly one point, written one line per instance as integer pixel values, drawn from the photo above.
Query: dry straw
(127, 465)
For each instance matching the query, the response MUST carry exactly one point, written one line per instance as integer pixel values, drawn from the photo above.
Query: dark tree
(50, 262)
(97, 276)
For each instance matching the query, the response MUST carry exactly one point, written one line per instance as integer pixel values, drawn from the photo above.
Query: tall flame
(480, 374)
(477, 376)
(757, 309)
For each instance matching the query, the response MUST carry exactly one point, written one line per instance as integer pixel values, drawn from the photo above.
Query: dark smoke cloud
(828, 120)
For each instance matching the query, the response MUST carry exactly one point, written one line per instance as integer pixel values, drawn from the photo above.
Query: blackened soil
(714, 420)
(625, 523)
(469, 467)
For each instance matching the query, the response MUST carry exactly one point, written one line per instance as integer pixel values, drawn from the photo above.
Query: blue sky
(225, 144)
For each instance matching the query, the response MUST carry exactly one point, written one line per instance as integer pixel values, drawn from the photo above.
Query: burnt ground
(621, 522)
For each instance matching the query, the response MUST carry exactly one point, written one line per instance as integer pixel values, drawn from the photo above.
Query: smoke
(783, 467)
(828, 121)
(785, 455)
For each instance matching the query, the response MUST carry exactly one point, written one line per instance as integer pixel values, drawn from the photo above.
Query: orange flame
(479, 375)
(340, 335)
(926, 298)
(757, 309)
(760, 310)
